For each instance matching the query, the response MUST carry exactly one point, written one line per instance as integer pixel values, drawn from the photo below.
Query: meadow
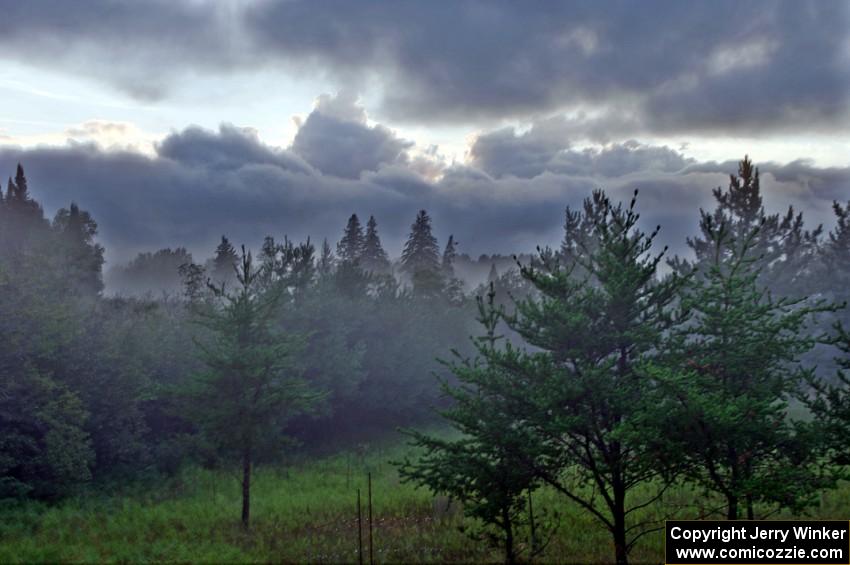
(306, 511)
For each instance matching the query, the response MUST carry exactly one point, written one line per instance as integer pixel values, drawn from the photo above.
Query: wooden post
(371, 554)
(359, 531)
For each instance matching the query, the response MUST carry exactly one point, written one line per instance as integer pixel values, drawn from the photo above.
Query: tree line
(603, 369)
(251, 352)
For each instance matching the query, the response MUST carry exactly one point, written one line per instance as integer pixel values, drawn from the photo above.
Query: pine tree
(374, 259)
(740, 357)
(833, 273)
(480, 470)
(830, 405)
(784, 248)
(579, 226)
(585, 398)
(224, 262)
(350, 247)
(251, 386)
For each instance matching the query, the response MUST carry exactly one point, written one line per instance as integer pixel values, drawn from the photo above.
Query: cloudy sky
(174, 122)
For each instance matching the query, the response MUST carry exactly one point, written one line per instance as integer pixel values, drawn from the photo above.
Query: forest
(324, 402)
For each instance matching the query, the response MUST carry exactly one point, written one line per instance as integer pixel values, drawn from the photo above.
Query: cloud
(546, 148)
(230, 148)
(336, 139)
(733, 66)
(202, 184)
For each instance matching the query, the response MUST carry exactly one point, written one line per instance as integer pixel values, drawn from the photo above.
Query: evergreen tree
(493, 275)
(420, 258)
(579, 226)
(82, 257)
(729, 407)
(350, 248)
(830, 405)
(21, 218)
(585, 397)
(836, 251)
(193, 277)
(784, 248)
(374, 259)
(480, 470)
(251, 386)
(832, 278)
(449, 255)
(420, 251)
(325, 266)
(224, 262)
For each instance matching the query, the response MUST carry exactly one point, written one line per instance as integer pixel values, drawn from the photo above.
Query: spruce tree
(251, 385)
(420, 258)
(740, 366)
(224, 261)
(420, 250)
(374, 259)
(350, 247)
(22, 223)
(449, 255)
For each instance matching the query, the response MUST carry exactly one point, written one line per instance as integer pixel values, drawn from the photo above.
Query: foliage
(480, 468)
(740, 360)
(251, 386)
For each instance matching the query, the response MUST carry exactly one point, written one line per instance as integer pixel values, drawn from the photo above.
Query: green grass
(305, 512)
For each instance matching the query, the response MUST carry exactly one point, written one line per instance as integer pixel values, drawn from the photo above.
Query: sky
(174, 122)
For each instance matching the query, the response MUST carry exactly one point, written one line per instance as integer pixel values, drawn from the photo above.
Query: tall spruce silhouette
(225, 261)
(449, 255)
(374, 258)
(421, 252)
(350, 247)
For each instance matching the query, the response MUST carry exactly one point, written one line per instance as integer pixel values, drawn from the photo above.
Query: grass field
(305, 512)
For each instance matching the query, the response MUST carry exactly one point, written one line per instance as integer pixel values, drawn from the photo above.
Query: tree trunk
(731, 507)
(246, 486)
(619, 532)
(510, 558)
(751, 515)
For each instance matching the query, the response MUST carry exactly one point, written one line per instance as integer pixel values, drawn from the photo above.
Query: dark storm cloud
(230, 148)
(202, 184)
(336, 140)
(546, 147)
(141, 47)
(676, 65)
(728, 66)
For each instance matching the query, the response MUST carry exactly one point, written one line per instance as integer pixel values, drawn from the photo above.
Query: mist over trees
(603, 369)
